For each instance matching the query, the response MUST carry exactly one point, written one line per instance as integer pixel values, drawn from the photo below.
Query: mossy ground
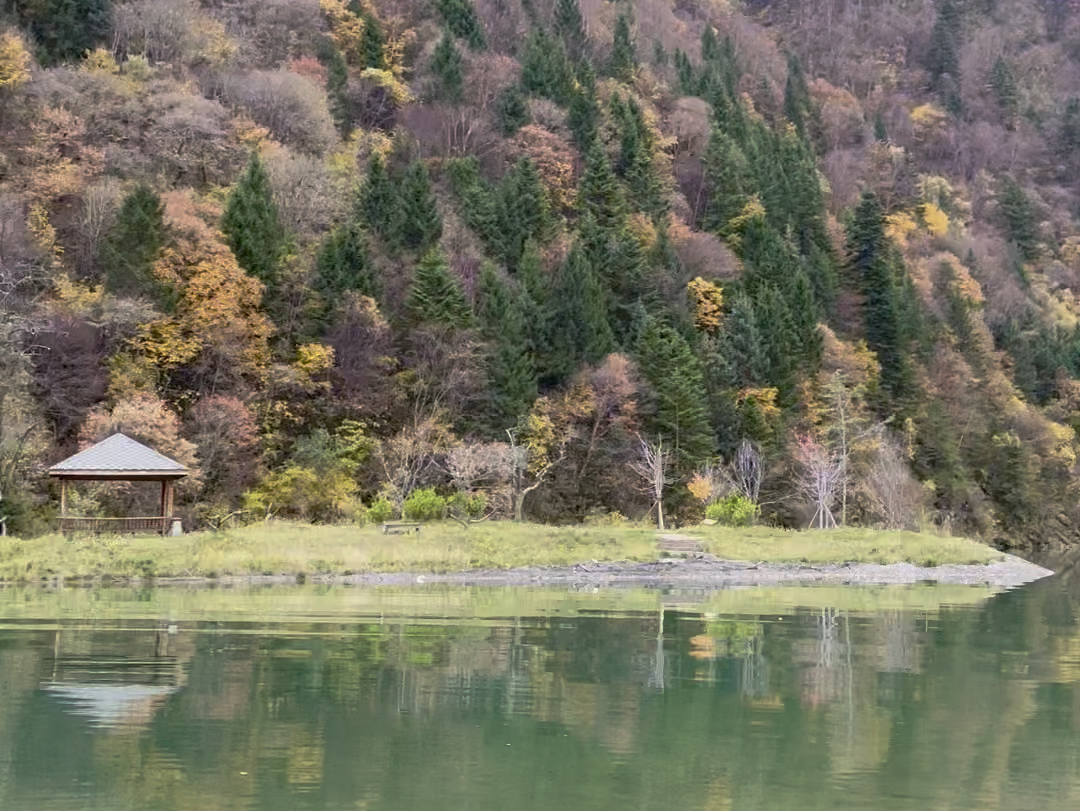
(282, 548)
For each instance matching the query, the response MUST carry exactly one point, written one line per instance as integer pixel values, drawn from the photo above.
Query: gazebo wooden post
(166, 505)
(63, 498)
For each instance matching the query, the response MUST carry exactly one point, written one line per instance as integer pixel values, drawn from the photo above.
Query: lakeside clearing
(302, 550)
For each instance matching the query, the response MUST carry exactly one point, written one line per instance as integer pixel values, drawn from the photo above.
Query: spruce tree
(512, 110)
(943, 58)
(570, 26)
(730, 183)
(511, 366)
(251, 225)
(446, 65)
(342, 265)
(584, 110)
(878, 267)
(580, 329)
(523, 212)
(743, 343)
(435, 296)
(545, 68)
(133, 244)
(378, 206)
(676, 406)
(1068, 141)
(1021, 224)
(371, 50)
(1006, 92)
(598, 192)
(337, 86)
(461, 21)
(799, 107)
(881, 135)
(64, 30)
(420, 224)
(623, 61)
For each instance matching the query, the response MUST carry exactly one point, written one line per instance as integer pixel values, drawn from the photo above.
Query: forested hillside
(548, 258)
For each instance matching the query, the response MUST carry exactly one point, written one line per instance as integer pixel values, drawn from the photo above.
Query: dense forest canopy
(559, 259)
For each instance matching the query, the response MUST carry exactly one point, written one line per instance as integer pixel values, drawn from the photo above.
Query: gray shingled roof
(118, 453)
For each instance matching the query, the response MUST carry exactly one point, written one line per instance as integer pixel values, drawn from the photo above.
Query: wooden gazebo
(119, 458)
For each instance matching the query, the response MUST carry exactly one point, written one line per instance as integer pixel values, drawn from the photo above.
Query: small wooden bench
(399, 528)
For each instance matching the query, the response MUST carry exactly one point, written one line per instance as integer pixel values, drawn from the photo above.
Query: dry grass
(291, 549)
(851, 544)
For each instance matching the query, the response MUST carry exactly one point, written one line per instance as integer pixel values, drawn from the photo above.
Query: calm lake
(496, 699)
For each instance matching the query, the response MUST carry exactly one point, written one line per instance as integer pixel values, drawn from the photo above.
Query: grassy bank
(850, 544)
(291, 549)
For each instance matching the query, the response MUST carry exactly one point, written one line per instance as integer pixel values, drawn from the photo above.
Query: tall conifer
(251, 225)
(420, 224)
(132, 245)
(435, 296)
(676, 408)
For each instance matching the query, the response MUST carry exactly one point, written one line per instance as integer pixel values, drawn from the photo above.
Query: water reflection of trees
(963, 708)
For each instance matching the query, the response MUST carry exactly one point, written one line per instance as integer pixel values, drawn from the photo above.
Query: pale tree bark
(821, 471)
(652, 465)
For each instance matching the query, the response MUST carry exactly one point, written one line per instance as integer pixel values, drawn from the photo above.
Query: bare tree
(652, 465)
(485, 467)
(892, 490)
(748, 470)
(530, 467)
(409, 458)
(822, 470)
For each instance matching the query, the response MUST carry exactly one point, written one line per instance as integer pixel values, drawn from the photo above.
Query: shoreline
(702, 572)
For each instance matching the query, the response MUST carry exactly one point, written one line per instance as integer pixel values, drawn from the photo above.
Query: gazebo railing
(119, 526)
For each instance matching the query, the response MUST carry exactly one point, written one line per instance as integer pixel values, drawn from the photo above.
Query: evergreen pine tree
(378, 206)
(1021, 224)
(881, 135)
(64, 30)
(685, 73)
(676, 408)
(730, 181)
(251, 225)
(1006, 92)
(420, 224)
(133, 244)
(371, 50)
(461, 21)
(623, 63)
(580, 328)
(512, 110)
(545, 68)
(943, 58)
(480, 204)
(570, 26)
(782, 345)
(584, 111)
(342, 264)
(598, 192)
(1068, 140)
(337, 86)
(878, 268)
(523, 212)
(743, 344)
(799, 106)
(435, 296)
(446, 65)
(511, 367)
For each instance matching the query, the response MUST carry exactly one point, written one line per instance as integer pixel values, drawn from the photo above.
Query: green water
(503, 700)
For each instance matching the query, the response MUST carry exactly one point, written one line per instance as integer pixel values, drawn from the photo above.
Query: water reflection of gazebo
(119, 458)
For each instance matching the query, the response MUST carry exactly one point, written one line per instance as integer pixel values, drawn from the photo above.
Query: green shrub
(470, 504)
(424, 504)
(735, 510)
(380, 511)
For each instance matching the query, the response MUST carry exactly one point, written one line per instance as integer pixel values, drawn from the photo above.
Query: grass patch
(291, 548)
(282, 548)
(847, 545)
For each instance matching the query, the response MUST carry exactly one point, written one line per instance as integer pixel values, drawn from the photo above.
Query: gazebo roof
(119, 457)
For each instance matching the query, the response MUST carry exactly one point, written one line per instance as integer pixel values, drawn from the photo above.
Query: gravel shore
(704, 571)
